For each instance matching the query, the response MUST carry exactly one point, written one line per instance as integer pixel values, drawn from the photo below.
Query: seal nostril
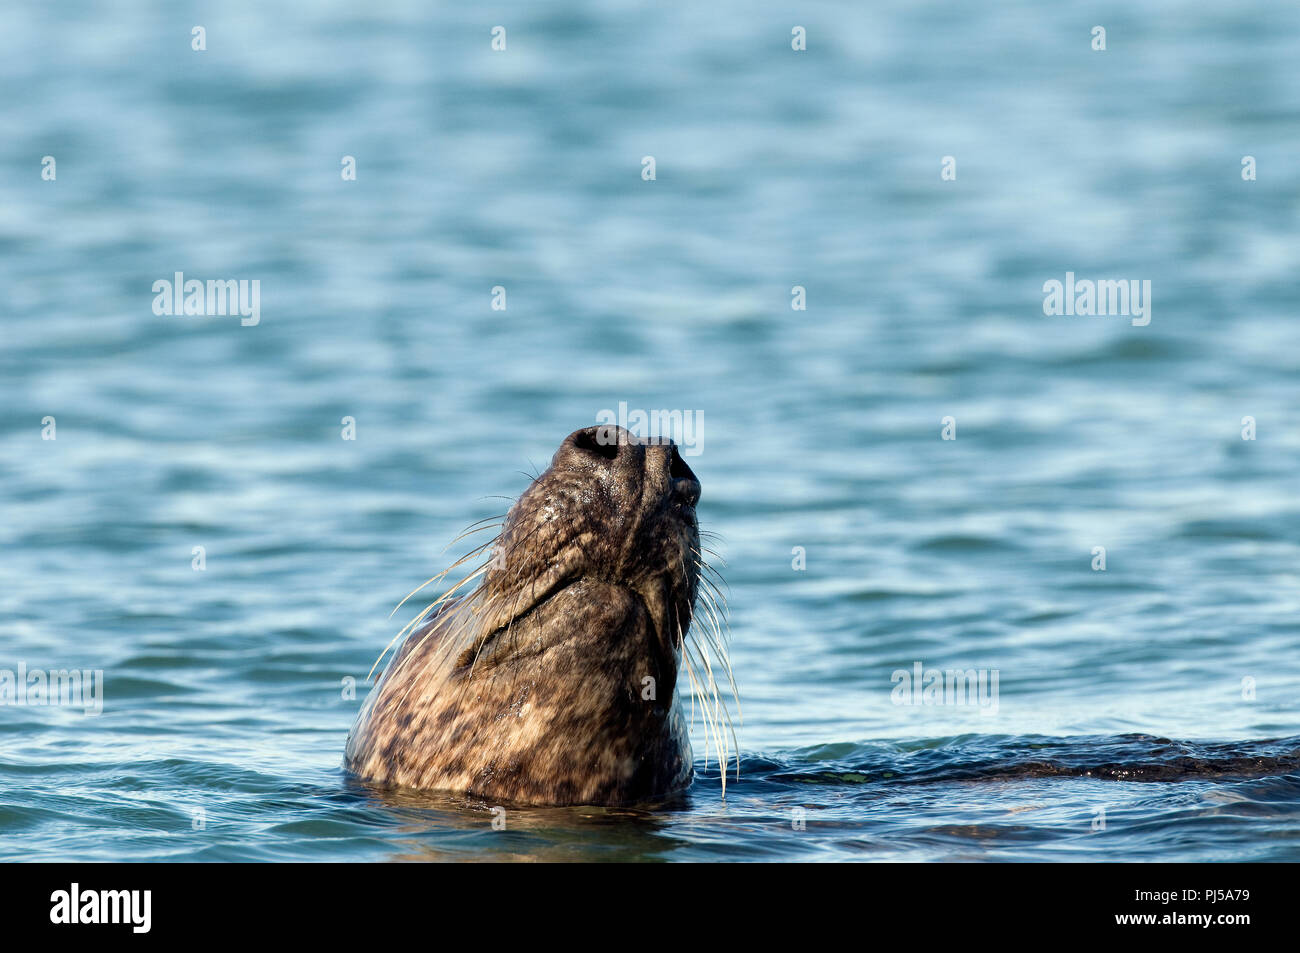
(598, 441)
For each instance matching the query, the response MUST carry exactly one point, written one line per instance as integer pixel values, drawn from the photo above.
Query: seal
(555, 680)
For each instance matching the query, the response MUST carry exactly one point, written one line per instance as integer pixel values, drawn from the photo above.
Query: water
(1119, 691)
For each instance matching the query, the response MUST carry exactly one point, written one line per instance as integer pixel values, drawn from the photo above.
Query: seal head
(555, 680)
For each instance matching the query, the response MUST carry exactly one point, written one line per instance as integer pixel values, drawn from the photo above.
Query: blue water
(1149, 711)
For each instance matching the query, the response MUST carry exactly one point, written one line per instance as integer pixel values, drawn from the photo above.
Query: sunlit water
(1135, 706)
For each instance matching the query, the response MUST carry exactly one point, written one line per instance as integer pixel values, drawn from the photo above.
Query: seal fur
(555, 680)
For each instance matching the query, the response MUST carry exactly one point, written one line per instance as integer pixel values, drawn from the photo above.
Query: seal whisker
(409, 625)
(447, 593)
(470, 555)
(716, 638)
(722, 631)
(716, 642)
(442, 598)
(719, 638)
(714, 554)
(695, 691)
(703, 564)
(424, 636)
(451, 646)
(470, 531)
(710, 586)
(706, 685)
(710, 591)
(715, 577)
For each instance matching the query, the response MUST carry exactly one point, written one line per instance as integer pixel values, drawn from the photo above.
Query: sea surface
(1146, 711)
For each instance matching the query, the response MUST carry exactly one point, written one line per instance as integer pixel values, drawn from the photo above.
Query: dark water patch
(995, 758)
(17, 818)
(1276, 528)
(875, 594)
(134, 687)
(1126, 348)
(960, 543)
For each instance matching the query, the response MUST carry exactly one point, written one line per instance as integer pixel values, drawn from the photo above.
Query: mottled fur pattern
(533, 688)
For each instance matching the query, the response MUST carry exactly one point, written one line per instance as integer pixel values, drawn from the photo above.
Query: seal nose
(685, 485)
(622, 454)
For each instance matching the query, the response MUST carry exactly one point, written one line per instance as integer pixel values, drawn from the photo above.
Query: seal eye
(593, 441)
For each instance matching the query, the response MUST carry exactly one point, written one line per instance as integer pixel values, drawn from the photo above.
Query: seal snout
(630, 460)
